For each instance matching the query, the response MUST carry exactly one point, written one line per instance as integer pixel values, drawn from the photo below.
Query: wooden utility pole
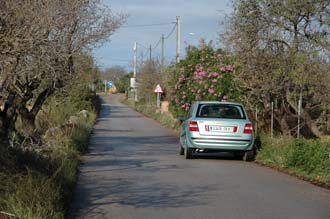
(178, 38)
(134, 59)
(163, 54)
(134, 72)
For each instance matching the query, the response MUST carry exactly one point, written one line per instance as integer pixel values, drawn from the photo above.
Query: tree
(124, 82)
(41, 41)
(148, 77)
(283, 49)
(114, 74)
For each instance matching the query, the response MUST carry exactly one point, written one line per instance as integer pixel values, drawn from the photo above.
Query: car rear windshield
(227, 111)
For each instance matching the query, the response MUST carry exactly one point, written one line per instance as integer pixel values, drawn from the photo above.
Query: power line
(168, 36)
(143, 46)
(147, 25)
(157, 44)
(172, 31)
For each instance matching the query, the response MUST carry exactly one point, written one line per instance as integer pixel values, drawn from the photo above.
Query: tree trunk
(311, 128)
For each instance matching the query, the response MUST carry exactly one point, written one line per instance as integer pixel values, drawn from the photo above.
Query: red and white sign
(158, 89)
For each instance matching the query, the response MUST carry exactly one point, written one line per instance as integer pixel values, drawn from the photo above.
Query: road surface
(133, 171)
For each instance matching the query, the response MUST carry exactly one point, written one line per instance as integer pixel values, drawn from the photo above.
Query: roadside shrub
(205, 74)
(272, 150)
(309, 158)
(34, 196)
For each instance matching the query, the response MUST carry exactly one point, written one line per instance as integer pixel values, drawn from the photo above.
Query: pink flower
(215, 74)
(223, 69)
(199, 67)
(211, 90)
(230, 68)
(214, 81)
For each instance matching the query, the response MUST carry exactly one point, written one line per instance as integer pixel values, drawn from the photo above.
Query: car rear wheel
(249, 156)
(188, 153)
(238, 155)
(181, 150)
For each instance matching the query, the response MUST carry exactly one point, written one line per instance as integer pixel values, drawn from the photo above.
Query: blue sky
(199, 19)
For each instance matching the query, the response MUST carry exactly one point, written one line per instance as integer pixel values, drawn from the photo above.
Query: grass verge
(37, 182)
(306, 159)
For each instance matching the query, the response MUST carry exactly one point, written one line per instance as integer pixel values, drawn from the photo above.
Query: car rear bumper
(220, 143)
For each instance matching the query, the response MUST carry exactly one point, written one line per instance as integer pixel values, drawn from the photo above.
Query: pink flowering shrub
(205, 74)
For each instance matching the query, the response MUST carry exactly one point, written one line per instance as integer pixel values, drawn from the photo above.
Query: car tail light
(248, 129)
(193, 126)
(235, 129)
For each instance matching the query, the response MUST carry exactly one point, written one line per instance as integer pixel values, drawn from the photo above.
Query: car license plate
(217, 128)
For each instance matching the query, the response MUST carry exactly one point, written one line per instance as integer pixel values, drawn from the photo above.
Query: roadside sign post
(158, 100)
(158, 91)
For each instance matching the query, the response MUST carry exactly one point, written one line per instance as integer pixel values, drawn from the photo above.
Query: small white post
(272, 121)
(256, 127)
(299, 114)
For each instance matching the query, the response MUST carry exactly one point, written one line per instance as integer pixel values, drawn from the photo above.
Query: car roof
(218, 102)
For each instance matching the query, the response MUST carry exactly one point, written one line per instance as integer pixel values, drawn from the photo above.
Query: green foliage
(205, 74)
(39, 184)
(282, 48)
(124, 83)
(34, 196)
(309, 158)
(312, 156)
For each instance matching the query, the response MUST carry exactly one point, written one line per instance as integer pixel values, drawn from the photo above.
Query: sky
(199, 19)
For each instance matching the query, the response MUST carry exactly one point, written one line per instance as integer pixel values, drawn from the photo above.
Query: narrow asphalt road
(134, 171)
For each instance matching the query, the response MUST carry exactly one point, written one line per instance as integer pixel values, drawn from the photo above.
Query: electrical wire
(169, 35)
(146, 25)
(143, 46)
(157, 44)
(160, 40)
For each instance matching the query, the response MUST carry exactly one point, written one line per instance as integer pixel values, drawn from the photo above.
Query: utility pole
(134, 60)
(178, 38)
(163, 55)
(134, 72)
(150, 53)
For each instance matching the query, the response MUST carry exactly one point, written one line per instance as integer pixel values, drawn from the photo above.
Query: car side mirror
(181, 119)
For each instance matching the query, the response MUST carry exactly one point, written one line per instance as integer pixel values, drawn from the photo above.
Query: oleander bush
(205, 74)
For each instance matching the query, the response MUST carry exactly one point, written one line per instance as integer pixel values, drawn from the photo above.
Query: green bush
(34, 196)
(205, 74)
(37, 183)
(309, 158)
